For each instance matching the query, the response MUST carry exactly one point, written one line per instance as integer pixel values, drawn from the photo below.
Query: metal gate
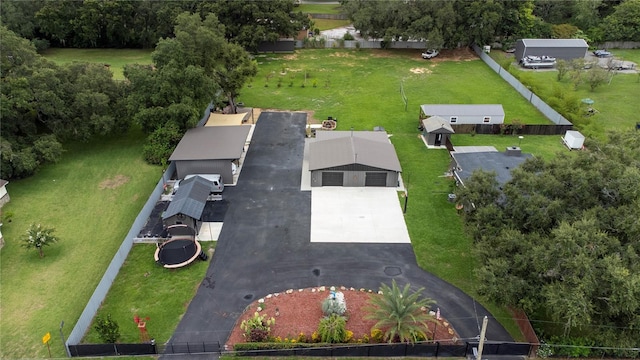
(332, 179)
(375, 179)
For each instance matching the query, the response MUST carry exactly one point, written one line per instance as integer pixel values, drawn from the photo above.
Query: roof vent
(513, 151)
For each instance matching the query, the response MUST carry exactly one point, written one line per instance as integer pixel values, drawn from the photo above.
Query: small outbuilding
(573, 139)
(353, 158)
(436, 131)
(210, 150)
(464, 113)
(188, 203)
(565, 49)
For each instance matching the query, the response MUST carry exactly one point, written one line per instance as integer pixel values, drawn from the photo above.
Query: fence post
(437, 348)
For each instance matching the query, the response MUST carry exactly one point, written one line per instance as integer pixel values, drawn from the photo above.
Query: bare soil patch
(114, 182)
(462, 54)
(420, 70)
(300, 311)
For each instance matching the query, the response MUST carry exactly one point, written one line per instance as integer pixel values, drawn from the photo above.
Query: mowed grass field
(116, 59)
(91, 198)
(150, 291)
(363, 89)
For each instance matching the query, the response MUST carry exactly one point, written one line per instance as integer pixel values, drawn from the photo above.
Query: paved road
(264, 247)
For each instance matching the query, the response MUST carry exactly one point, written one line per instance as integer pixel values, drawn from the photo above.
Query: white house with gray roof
(464, 113)
(353, 158)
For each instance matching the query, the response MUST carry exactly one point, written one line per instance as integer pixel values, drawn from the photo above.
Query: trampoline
(179, 252)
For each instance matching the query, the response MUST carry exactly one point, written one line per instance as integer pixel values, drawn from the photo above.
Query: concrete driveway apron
(265, 247)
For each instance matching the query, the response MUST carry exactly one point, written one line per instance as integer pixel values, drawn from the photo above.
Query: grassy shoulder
(90, 197)
(146, 289)
(116, 59)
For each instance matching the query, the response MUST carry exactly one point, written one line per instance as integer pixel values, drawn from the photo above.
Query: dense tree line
(562, 239)
(142, 23)
(446, 23)
(43, 104)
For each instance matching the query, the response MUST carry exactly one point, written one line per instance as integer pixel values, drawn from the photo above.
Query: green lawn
(362, 90)
(319, 8)
(328, 24)
(115, 58)
(148, 290)
(91, 198)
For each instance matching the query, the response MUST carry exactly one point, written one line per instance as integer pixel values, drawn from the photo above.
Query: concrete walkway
(264, 247)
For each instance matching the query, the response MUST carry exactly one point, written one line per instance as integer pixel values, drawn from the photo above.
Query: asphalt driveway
(265, 247)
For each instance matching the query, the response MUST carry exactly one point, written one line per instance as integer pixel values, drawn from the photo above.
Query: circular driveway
(264, 247)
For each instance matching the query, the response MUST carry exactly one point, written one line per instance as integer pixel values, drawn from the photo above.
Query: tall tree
(248, 23)
(563, 238)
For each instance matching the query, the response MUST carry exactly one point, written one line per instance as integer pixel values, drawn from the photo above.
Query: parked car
(429, 54)
(217, 186)
(601, 53)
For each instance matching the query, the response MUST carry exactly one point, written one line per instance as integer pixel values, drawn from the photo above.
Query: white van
(215, 179)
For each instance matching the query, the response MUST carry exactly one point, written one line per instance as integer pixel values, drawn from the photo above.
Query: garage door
(375, 179)
(332, 178)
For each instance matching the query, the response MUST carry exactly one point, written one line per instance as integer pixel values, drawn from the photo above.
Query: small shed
(353, 158)
(436, 130)
(565, 49)
(464, 113)
(188, 203)
(573, 139)
(210, 150)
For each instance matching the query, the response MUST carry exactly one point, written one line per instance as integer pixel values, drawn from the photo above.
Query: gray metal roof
(344, 149)
(487, 161)
(579, 43)
(446, 110)
(436, 124)
(212, 143)
(371, 135)
(190, 198)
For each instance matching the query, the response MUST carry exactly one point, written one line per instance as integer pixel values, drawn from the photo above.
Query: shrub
(334, 305)
(348, 37)
(108, 330)
(332, 329)
(376, 335)
(41, 44)
(257, 328)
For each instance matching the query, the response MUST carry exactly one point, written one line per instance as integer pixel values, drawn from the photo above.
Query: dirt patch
(342, 55)
(290, 57)
(114, 182)
(420, 71)
(462, 54)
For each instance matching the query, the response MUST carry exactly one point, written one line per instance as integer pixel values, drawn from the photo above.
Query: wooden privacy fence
(511, 129)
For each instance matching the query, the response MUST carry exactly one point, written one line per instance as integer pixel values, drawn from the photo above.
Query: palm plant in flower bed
(400, 314)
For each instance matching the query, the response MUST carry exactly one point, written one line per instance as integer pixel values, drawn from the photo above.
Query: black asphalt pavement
(264, 247)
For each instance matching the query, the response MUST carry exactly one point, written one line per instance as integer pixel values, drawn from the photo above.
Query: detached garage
(210, 150)
(566, 49)
(353, 158)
